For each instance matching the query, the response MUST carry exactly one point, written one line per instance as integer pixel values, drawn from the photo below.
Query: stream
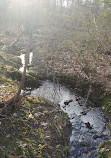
(22, 57)
(88, 123)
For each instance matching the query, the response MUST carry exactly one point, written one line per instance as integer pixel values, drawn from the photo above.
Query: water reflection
(82, 139)
(22, 57)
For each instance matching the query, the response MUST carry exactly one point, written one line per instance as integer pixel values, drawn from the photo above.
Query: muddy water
(85, 138)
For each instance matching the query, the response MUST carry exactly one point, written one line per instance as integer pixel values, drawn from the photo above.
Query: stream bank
(35, 128)
(79, 117)
(38, 129)
(98, 96)
(89, 127)
(80, 106)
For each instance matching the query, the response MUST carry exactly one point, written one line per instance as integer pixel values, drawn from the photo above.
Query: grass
(105, 150)
(106, 104)
(8, 63)
(38, 129)
(35, 127)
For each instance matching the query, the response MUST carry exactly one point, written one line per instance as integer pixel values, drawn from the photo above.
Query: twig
(89, 91)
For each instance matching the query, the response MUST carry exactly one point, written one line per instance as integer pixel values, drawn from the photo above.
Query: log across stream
(88, 123)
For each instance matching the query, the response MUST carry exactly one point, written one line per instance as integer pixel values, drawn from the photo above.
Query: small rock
(88, 125)
(83, 143)
(77, 98)
(15, 114)
(8, 136)
(1, 42)
(80, 140)
(68, 101)
(83, 112)
(97, 136)
(30, 116)
(64, 106)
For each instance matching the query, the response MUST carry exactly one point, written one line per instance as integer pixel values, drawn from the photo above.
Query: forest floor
(59, 52)
(34, 127)
(53, 54)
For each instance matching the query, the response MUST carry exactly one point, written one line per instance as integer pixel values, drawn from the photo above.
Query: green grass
(37, 129)
(106, 104)
(105, 150)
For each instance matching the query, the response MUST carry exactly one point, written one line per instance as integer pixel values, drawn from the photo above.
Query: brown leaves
(21, 101)
(7, 91)
(88, 153)
(9, 96)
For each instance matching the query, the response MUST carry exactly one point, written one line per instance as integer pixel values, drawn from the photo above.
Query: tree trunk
(24, 72)
(16, 97)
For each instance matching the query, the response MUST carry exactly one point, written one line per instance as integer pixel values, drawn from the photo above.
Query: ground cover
(37, 128)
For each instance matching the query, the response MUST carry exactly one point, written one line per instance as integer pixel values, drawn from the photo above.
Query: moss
(106, 104)
(36, 100)
(29, 78)
(8, 64)
(8, 59)
(2, 78)
(10, 144)
(66, 149)
(32, 72)
(15, 75)
(27, 103)
(81, 84)
(105, 150)
(30, 81)
(16, 62)
(109, 125)
(46, 135)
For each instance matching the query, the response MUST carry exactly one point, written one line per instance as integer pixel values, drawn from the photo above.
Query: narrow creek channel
(88, 123)
(22, 57)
